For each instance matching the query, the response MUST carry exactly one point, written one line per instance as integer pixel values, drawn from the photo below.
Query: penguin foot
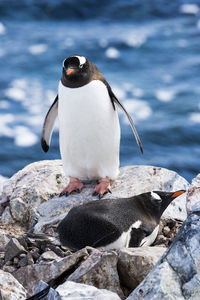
(75, 185)
(102, 188)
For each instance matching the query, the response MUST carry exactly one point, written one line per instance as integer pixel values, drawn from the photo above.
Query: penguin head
(159, 200)
(76, 71)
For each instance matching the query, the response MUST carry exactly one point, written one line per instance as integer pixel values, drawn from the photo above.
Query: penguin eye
(81, 66)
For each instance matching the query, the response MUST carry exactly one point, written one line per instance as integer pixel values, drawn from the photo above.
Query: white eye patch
(155, 196)
(82, 60)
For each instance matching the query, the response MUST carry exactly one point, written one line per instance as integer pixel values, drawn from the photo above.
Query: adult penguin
(88, 125)
(115, 223)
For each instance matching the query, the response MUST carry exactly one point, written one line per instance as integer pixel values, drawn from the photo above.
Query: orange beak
(176, 194)
(69, 71)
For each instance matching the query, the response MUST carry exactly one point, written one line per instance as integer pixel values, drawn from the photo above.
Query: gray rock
(4, 239)
(163, 283)
(13, 248)
(10, 288)
(51, 295)
(6, 217)
(30, 187)
(193, 196)
(27, 260)
(2, 181)
(177, 274)
(99, 270)
(28, 191)
(135, 263)
(30, 275)
(49, 256)
(77, 291)
(9, 269)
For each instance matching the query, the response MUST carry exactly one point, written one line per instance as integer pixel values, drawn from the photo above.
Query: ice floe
(37, 49)
(136, 40)
(5, 121)
(24, 137)
(189, 8)
(165, 95)
(16, 91)
(2, 29)
(138, 109)
(195, 117)
(120, 93)
(112, 52)
(15, 94)
(137, 92)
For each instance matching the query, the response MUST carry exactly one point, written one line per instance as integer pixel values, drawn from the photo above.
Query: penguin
(89, 130)
(115, 223)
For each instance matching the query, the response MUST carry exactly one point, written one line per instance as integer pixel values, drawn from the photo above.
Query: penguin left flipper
(49, 124)
(115, 100)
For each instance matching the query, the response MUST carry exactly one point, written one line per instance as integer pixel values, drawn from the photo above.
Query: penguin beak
(69, 71)
(178, 193)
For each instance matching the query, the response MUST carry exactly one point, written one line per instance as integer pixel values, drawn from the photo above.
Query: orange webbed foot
(102, 188)
(75, 185)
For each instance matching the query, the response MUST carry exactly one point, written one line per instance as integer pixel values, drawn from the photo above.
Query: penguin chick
(115, 223)
(89, 130)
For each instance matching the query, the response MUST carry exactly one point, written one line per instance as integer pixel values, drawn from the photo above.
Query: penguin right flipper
(48, 125)
(115, 100)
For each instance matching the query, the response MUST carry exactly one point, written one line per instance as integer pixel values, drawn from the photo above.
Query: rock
(13, 248)
(10, 288)
(74, 291)
(99, 270)
(3, 240)
(6, 217)
(163, 284)
(30, 187)
(30, 275)
(193, 196)
(27, 260)
(135, 263)
(28, 190)
(48, 256)
(51, 293)
(9, 269)
(2, 181)
(177, 275)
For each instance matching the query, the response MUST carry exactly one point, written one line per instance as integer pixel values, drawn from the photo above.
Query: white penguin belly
(124, 239)
(89, 132)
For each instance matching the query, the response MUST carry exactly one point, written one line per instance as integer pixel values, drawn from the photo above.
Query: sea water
(149, 51)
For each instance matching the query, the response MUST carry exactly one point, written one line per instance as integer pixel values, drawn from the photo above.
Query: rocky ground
(31, 254)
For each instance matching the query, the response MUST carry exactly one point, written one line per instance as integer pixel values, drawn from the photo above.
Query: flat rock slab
(32, 193)
(74, 291)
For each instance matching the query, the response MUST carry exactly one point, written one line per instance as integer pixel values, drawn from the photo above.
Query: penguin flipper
(115, 100)
(48, 125)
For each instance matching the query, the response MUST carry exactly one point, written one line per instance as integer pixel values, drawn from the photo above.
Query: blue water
(149, 51)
